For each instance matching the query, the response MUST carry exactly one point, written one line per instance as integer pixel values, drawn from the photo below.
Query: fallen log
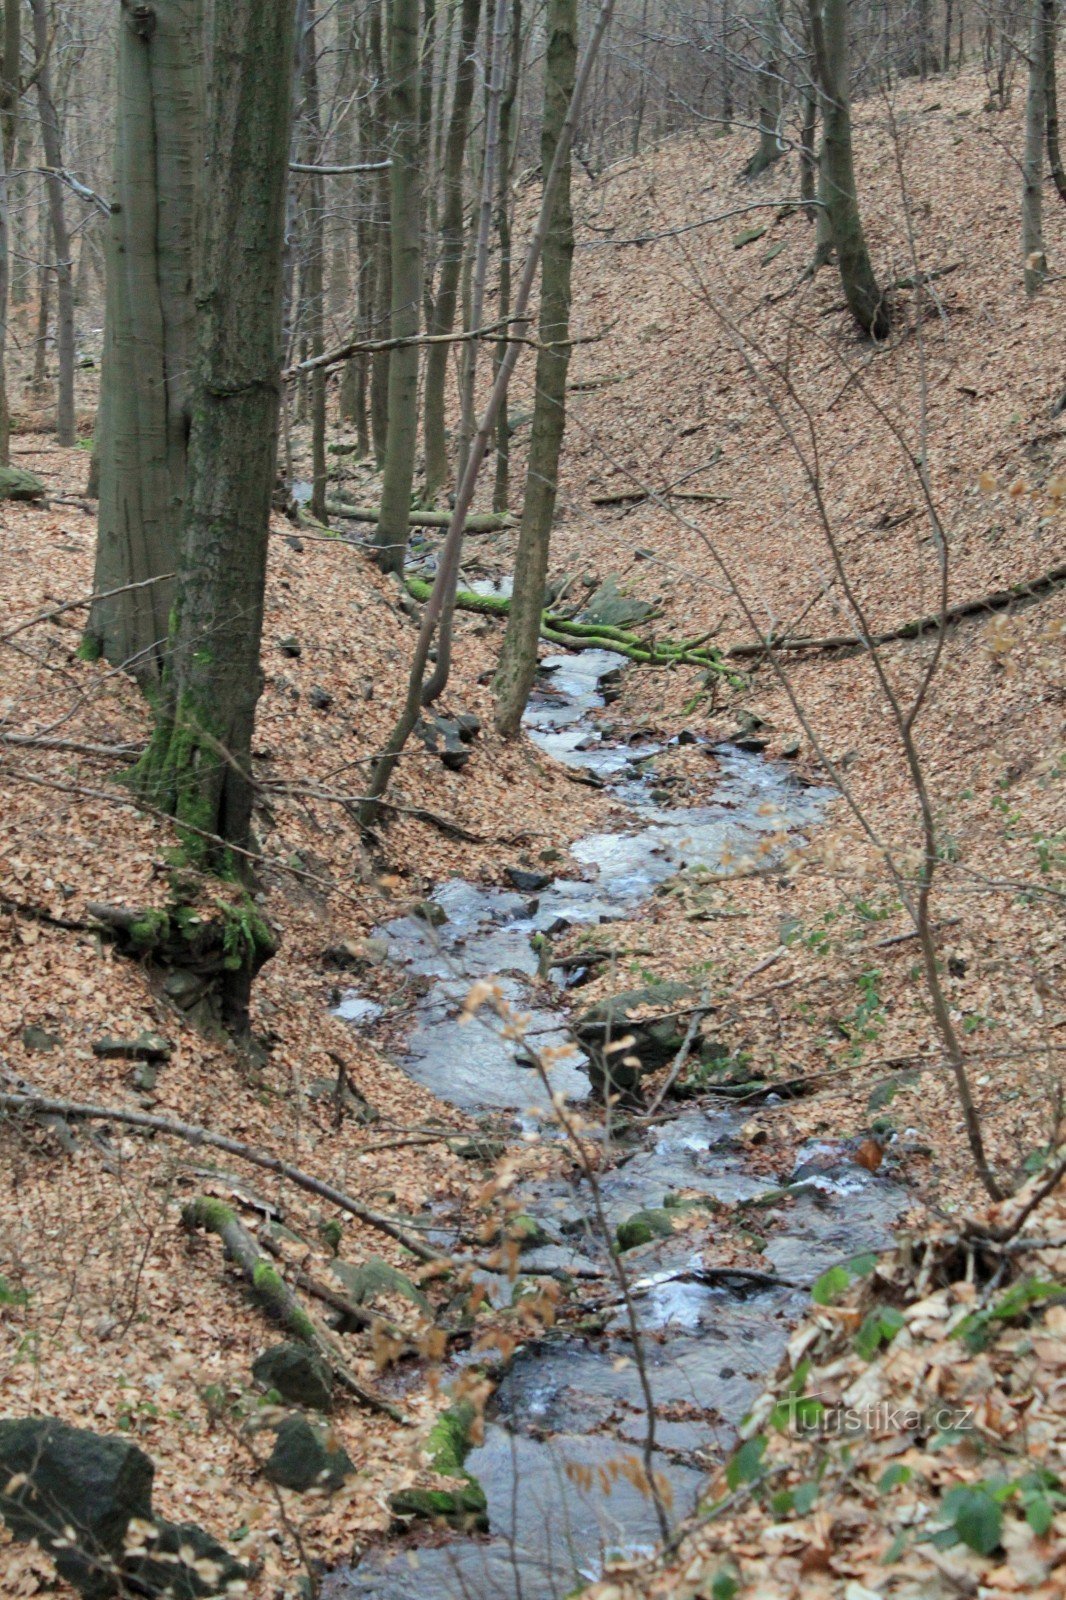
(480, 522)
(998, 600)
(271, 1290)
(573, 635)
(25, 1100)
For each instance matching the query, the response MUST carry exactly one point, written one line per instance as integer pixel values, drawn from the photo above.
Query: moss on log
(572, 634)
(478, 522)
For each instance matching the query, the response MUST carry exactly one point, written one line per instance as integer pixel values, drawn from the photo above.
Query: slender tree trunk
(10, 80)
(809, 149)
(769, 148)
(44, 311)
(1051, 30)
(198, 766)
(948, 10)
(10, 45)
(314, 268)
(5, 286)
(143, 422)
(865, 300)
(405, 227)
(442, 319)
(379, 362)
(1033, 257)
(518, 657)
(479, 267)
(501, 491)
(66, 425)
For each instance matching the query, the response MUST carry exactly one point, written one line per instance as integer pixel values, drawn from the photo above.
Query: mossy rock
(376, 1280)
(656, 1038)
(18, 484)
(610, 608)
(464, 1508)
(306, 1457)
(527, 1232)
(448, 1446)
(298, 1374)
(644, 1226)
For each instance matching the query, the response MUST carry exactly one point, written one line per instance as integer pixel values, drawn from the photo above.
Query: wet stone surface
(710, 1340)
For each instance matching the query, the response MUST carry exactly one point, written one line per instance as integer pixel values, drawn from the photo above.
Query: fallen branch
(482, 522)
(998, 600)
(274, 1293)
(572, 635)
(193, 1135)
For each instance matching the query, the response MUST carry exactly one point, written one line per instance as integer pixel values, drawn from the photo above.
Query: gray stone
(376, 1279)
(319, 698)
(39, 1039)
(298, 1373)
(18, 484)
(56, 1477)
(304, 1458)
(527, 882)
(609, 607)
(656, 1039)
(146, 1047)
(291, 647)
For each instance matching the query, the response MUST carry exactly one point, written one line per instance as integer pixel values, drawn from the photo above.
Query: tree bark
(143, 423)
(66, 426)
(379, 230)
(314, 267)
(518, 657)
(198, 766)
(452, 232)
(405, 228)
(865, 300)
(9, 104)
(1051, 20)
(501, 491)
(769, 148)
(1033, 258)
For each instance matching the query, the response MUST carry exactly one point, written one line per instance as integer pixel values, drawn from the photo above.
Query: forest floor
(714, 368)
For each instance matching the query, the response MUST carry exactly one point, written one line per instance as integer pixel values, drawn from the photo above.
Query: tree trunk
(382, 299)
(501, 491)
(497, 51)
(5, 285)
(769, 148)
(405, 227)
(314, 267)
(143, 423)
(1051, 19)
(518, 657)
(9, 108)
(1033, 257)
(198, 766)
(808, 149)
(865, 300)
(66, 426)
(451, 255)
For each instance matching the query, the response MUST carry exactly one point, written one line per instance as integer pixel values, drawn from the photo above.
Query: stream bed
(571, 1407)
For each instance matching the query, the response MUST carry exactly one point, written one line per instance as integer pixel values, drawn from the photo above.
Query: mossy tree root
(274, 1294)
(212, 928)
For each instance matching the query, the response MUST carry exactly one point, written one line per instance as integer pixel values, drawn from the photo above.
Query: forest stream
(573, 1401)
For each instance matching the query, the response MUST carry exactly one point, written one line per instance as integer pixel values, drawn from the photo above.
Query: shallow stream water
(570, 1405)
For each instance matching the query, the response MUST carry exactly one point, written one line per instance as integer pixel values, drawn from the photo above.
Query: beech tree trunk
(518, 657)
(144, 418)
(198, 766)
(1051, 29)
(382, 252)
(405, 228)
(501, 489)
(452, 234)
(66, 427)
(865, 300)
(314, 276)
(10, 42)
(1033, 257)
(769, 148)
